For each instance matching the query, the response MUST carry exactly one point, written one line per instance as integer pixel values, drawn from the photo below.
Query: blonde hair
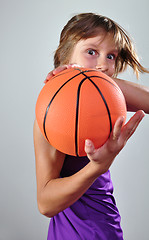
(86, 25)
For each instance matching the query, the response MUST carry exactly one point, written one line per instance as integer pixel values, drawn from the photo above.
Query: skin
(55, 194)
(98, 52)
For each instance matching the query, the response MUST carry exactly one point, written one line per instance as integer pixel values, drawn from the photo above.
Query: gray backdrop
(29, 35)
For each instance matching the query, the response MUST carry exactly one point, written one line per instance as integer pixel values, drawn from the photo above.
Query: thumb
(89, 147)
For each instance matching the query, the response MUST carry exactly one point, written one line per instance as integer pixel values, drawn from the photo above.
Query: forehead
(102, 39)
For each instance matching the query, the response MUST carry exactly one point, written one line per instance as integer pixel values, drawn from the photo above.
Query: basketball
(79, 104)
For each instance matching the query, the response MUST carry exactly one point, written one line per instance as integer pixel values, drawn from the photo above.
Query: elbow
(44, 211)
(47, 211)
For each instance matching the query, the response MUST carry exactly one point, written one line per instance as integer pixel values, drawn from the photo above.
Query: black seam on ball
(77, 115)
(47, 109)
(103, 98)
(83, 72)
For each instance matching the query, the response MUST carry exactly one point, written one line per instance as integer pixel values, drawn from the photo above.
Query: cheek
(76, 59)
(89, 62)
(72, 59)
(113, 67)
(111, 70)
(80, 60)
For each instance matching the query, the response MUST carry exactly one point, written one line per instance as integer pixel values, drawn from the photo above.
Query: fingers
(117, 129)
(92, 153)
(105, 155)
(132, 125)
(54, 72)
(121, 134)
(58, 70)
(89, 147)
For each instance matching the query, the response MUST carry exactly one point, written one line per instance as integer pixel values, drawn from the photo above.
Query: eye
(111, 56)
(92, 52)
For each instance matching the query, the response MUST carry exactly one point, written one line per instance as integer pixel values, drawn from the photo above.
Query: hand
(104, 156)
(58, 70)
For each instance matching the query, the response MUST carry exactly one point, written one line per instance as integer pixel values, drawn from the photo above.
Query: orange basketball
(79, 104)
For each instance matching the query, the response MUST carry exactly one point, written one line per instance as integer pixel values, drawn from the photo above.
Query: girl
(77, 192)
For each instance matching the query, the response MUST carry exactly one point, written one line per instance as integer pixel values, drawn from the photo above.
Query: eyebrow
(113, 51)
(91, 45)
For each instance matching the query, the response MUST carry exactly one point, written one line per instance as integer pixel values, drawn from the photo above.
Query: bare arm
(54, 194)
(137, 96)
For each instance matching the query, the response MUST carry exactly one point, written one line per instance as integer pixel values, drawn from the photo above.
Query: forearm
(55, 194)
(60, 193)
(137, 96)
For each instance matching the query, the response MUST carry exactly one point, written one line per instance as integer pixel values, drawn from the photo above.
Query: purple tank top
(94, 216)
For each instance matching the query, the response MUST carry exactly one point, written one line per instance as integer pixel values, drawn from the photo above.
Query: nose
(102, 64)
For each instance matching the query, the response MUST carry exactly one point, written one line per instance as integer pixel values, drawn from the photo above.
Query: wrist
(93, 170)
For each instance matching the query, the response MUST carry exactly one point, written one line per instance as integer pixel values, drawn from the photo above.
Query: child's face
(97, 52)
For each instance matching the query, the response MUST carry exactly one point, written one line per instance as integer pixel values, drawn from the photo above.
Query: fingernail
(87, 142)
(74, 65)
(122, 120)
(143, 113)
